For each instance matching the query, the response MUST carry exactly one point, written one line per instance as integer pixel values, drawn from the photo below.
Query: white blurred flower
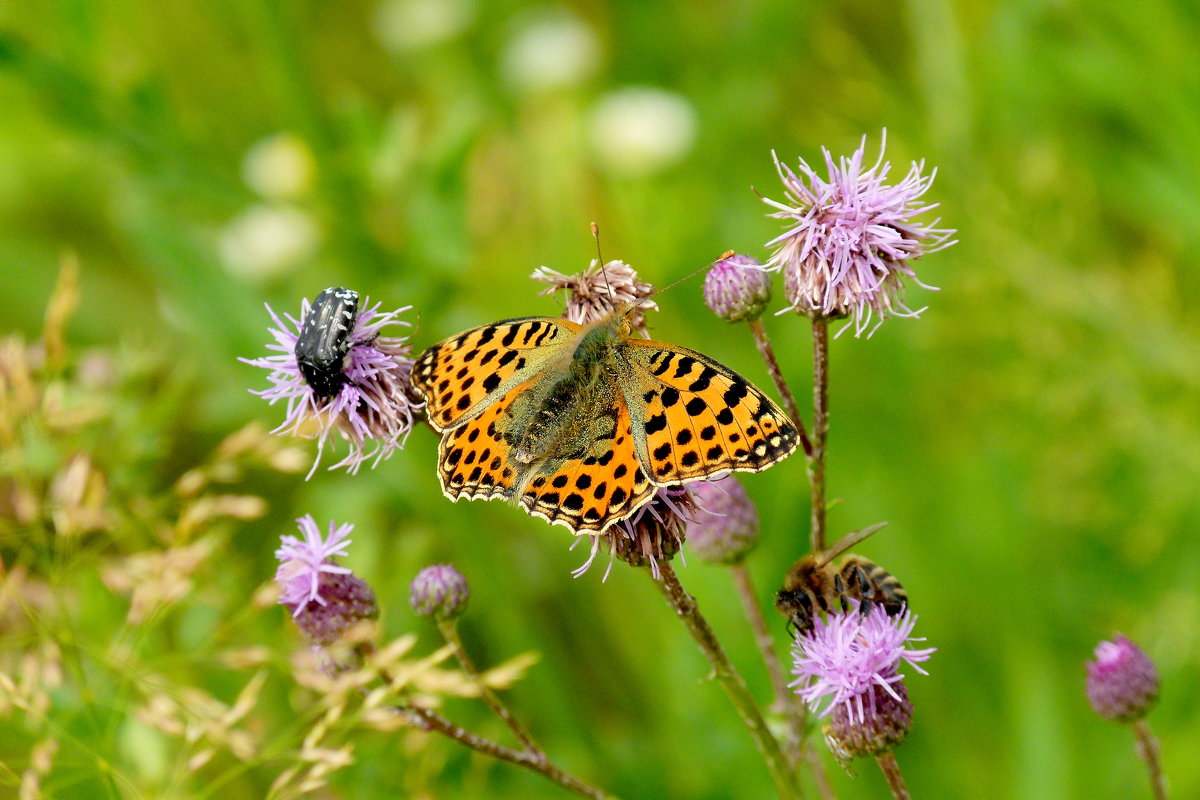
(404, 25)
(266, 241)
(553, 51)
(280, 167)
(639, 130)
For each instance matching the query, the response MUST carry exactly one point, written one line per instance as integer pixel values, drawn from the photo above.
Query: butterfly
(581, 424)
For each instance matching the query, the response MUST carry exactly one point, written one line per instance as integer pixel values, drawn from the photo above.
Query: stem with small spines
(731, 681)
(816, 461)
(1147, 748)
(449, 629)
(763, 343)
(786, 702)
(530, 758)
(891, 771)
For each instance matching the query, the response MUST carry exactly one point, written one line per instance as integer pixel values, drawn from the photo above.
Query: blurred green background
(1033, 439)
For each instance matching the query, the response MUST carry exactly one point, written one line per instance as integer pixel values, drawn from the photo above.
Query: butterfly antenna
(600, 260)
(692, 274)
(696, 271)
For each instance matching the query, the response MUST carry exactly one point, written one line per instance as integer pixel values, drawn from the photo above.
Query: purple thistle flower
(854, 660)
(439, 591)
(737, 288)
(324, 599)
(1122, 681)
(724, 528)
(372, 411)
(595, 293)
(301, 563)
(850, 238)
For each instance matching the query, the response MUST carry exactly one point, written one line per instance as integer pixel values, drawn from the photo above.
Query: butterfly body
(580, 424)
(553, 421)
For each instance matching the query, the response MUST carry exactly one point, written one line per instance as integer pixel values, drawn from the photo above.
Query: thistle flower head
(597, 292)
(854, 660)
(724, 527)
(1122, 681)
(324, 599)
(883, 723)
(737, 288)
(850, 240)
(372, 409)
(652, 534)
(439, 591)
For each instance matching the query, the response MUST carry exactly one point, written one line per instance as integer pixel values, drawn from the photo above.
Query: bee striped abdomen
(875, 584)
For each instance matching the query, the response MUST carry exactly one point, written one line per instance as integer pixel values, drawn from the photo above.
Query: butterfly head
(624, 320)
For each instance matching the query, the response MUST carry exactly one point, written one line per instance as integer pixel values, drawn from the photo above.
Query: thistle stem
(816, 461)
(449, 630)
(789, 400)
(1147, 749)
(786, 703)
(731, 681)
(891, 771)
(428, 720)
(531, 758)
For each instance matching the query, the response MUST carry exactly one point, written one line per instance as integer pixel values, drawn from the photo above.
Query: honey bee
(814, 584)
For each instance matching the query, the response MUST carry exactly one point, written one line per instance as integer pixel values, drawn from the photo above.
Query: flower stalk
(763, 343)
(532, 759)
(891, 771)
(731, 681)
(1147, 749)
(449, 629)
(816, 460)
(786, 703)
(428, 720)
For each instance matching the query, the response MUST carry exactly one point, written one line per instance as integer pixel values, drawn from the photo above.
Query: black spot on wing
(735, 394)
(684, 366)
(704, 380)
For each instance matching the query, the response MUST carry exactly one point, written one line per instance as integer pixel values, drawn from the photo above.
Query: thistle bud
(724, 529)
(1122, 682)
(737, 288)
(439, 591)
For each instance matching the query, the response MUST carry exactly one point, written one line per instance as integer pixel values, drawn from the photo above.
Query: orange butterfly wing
(457, 377)
(699, 418)
(473, 457)
(605, 485)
